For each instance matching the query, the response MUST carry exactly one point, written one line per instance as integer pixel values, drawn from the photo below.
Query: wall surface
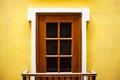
(14, 39)
(103, 36)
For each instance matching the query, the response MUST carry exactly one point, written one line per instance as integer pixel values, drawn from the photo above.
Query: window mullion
(58, 46)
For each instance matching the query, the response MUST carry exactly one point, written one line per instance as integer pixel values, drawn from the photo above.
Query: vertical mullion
(58, 46)
(72, 46)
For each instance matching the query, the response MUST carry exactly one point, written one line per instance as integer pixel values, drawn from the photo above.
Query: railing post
(24, 77)
(82, 77)
(88, 77)
(29, 78)
(52, 78)
(76, 78)
(64, 77)
(93, 77)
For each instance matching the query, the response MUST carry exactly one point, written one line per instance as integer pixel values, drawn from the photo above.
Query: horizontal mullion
(51, 55)
(58, 55)
(65, 55)
(51, 38)
(65, 38)
(58, 38)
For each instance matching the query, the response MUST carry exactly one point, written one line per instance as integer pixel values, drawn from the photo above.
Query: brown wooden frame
(77, 39)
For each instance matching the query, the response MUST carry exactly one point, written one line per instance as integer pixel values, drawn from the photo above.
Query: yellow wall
(103, 36)
(14, 39)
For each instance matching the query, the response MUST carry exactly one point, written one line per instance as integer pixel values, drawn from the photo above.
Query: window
(32, 18)
(59, 43)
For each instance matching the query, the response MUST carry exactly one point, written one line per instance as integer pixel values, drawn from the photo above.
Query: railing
(60, 76)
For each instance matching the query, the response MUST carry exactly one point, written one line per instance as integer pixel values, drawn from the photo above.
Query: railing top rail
(91, 73)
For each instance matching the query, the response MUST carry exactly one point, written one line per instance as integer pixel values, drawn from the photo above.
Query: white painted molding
(32, 17)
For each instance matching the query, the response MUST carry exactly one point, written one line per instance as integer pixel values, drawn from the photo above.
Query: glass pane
(65, 47)
(65, 30)
(51, 30)
(52, 65)
(51, 47)
(65, 64)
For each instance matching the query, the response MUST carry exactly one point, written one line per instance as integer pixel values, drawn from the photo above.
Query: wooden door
(58, 43)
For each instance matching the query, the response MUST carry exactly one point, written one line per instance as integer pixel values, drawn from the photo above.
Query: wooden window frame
(75, 40)
(32, 18)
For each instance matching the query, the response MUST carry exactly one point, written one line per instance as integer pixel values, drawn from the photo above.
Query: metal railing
(60, 76)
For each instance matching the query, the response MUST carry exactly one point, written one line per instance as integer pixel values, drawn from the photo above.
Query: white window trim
(32, 17)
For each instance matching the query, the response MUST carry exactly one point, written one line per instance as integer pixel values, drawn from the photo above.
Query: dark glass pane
(51, 47)
(65, 64)
(52, 65)
(65, 30)
(51, 30)
(65, 47)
